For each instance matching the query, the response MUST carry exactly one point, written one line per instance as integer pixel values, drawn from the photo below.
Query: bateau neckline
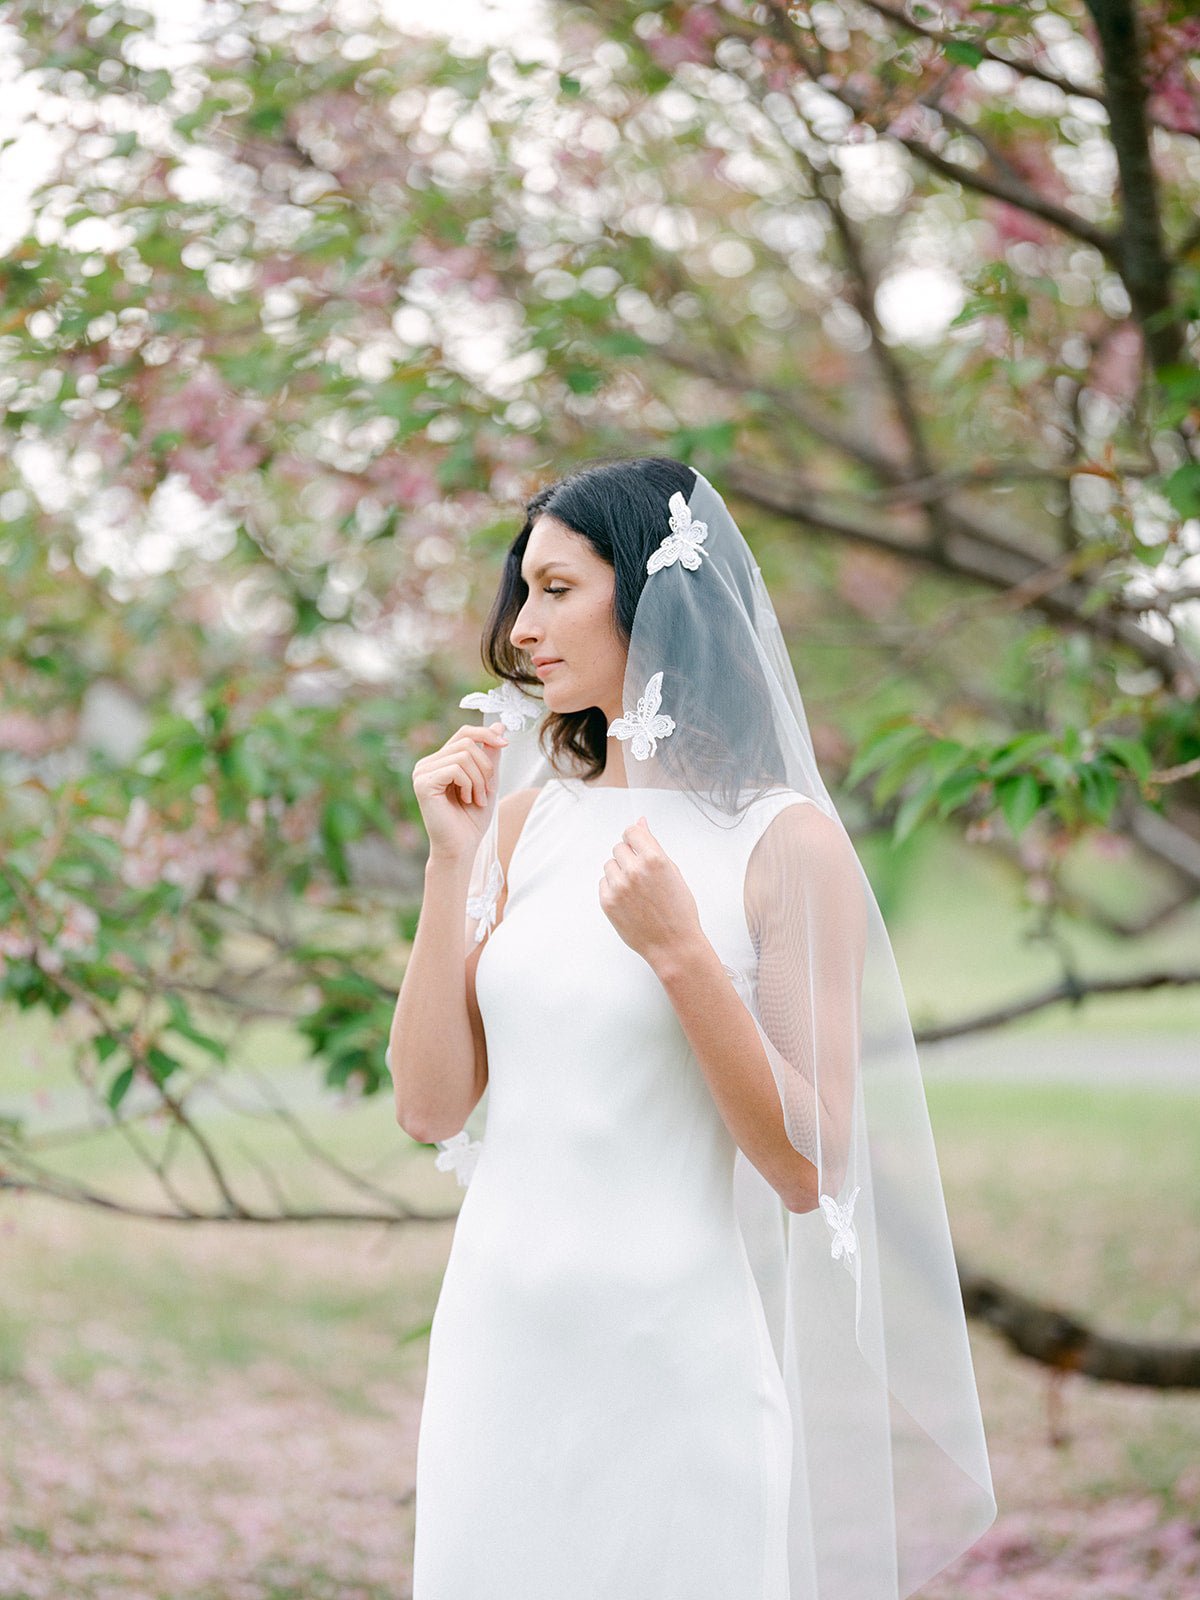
(617, 788)
(653, 788)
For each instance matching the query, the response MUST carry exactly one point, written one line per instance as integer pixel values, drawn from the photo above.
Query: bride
(700, 1335)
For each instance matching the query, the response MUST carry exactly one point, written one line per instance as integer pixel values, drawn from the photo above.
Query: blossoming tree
(301, 310)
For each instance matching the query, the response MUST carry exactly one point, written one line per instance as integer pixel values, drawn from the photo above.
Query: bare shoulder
(803, 822)
(802, 847)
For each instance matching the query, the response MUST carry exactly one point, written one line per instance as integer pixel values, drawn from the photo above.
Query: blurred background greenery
(298, 304)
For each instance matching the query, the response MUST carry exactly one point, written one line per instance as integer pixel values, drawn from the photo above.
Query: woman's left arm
(645, 897)
(725, 1042)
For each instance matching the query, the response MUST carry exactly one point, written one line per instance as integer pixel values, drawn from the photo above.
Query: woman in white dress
(681, 1350)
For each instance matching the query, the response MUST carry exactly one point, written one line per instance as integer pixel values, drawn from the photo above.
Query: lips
(541, 667)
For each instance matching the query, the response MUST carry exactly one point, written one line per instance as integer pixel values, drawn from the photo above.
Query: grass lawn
(230, 1411)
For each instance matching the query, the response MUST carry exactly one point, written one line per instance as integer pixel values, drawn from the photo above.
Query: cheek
(600, 631)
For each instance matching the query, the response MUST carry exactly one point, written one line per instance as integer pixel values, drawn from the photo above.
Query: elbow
(800, 1193)
(408, 1125)
(418, 1125)
(421, 1130)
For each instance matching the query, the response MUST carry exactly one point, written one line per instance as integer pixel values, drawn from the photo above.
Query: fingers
(470, 767)
(637, 838)
(489, 732)
(473, 764)
(467, 778)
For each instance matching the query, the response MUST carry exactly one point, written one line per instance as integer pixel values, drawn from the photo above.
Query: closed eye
(554, 591)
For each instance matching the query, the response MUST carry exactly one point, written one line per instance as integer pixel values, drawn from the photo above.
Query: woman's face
(567, 618)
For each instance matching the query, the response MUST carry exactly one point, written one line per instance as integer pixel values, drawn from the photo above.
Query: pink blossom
(404, 480)
(671, 50)
(28, 735)
(16, 944)
(1117, 369)
(1013, 225)
(80, 923)
(218, 429)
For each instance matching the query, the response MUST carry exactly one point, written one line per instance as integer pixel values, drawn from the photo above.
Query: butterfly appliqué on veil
(845, 1240)
(647, 725)
(683, 542)
(483, 905)
(459, 1155)
(510, 704)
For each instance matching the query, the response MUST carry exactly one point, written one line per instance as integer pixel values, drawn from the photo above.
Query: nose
(523, 635)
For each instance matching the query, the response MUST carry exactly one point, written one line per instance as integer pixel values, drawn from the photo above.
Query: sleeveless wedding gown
(604, 1416)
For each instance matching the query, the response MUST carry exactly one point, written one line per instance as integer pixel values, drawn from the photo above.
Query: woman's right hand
(454, 787)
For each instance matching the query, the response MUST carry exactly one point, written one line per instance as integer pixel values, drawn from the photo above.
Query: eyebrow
(540, 572)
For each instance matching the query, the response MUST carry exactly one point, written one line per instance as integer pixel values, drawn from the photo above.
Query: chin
(556, 698)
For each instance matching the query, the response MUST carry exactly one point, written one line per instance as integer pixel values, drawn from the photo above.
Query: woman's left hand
(644, 896)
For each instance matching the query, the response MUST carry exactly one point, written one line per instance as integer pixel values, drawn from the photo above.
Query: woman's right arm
(436, 1050)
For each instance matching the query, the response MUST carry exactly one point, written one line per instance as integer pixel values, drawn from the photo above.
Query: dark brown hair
(726, 740)
(619, 507)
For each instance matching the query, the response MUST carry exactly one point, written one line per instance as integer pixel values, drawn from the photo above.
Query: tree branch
(1071, 990)
(1141, 256)
(1058, 1340)
(977, 554)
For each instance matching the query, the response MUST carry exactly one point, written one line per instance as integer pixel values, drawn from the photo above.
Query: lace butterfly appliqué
(845, 1240)
(458, 1155)
(647, 725)
(510, 704)
(683, 542)
(483, 905)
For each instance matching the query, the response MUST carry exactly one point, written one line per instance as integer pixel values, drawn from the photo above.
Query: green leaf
(1014, 752)
(956, 790)
(943, 756)
(619, 342)
(182, 1024)
(1099, 790)
(267, 119)
(1182, 489)
(247, 768)
(1130, 753)
(961, 50)
(118, 1088)
(160, 1063)
(341, 821)
(1019, 799)
(582, 380)
(877, 749)
(910, 814)
(899, 770)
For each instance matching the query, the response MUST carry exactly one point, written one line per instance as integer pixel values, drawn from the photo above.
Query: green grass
(1082, 1196)
(964, 942)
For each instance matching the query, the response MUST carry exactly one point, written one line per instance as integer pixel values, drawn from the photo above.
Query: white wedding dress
(604, 1416)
